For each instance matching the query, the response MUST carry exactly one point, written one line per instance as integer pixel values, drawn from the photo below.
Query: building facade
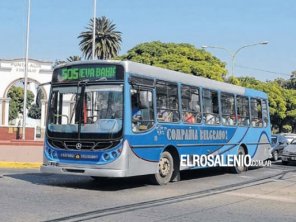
(12, 74)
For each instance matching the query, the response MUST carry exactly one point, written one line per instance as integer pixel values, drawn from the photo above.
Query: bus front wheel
(165, 169)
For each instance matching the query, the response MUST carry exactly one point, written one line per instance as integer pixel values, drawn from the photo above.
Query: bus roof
(174, 76)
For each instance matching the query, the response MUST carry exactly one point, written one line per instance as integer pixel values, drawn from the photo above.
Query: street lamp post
(26, 70)
(234, 54)
(94, 31)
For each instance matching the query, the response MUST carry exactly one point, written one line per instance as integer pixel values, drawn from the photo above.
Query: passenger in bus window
(189, 118)
(229, 121)
(136, 112)
(210, 118)
(163, 114)
(174, 113)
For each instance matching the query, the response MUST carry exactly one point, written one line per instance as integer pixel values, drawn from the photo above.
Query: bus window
(190, 105)
(243, 116)
(228, 109)
(167, 102)
(211, 107)
(256, 112)
(264, 113)
(142, 109)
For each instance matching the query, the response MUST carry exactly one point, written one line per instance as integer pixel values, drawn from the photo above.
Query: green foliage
(58, 62)
(287, 129)
(69, 59)
(233, 80)
(73, 58)
(178, 57)
(35, 112)
(16, 94)
(107, 42)
(288, 84)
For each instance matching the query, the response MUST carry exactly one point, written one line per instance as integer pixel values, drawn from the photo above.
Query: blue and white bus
(123, 119)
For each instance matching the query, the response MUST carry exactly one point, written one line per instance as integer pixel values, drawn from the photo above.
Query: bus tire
(165, 169)
(240, 168)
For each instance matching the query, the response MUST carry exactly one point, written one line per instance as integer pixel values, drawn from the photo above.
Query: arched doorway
(13, 107)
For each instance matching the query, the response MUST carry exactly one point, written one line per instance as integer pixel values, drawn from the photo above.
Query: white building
(12, 73)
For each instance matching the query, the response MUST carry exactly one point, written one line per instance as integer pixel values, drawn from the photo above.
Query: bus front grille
(83, 145)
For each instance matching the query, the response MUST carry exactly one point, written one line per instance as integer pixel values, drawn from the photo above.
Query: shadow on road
(106, 184)
(82, 182)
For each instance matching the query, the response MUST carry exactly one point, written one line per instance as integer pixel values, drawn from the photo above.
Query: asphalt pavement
(262, 194)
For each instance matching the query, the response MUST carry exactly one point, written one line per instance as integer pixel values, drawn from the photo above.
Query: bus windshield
(85, 111)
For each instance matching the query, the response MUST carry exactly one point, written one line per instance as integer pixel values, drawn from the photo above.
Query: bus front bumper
(85, 171)
(127, 165)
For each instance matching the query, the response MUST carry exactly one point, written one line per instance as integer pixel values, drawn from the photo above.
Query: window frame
(251, 116)
(248, 109)
(177, 110)
(149, 89)
(203, 107)
(267, 113)
(235, 122)
(182, 111)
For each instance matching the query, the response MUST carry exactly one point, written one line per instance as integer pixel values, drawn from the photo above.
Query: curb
(20, 165)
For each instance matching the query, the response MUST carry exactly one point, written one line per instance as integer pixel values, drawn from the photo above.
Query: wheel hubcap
(164, 167)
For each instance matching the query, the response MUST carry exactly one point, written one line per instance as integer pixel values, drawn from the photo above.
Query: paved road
(264, 194)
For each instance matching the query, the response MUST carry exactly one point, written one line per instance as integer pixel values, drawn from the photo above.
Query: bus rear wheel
(165, 169)
(240, 167)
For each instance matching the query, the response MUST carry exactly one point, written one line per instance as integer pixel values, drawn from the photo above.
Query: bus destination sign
(91, 72)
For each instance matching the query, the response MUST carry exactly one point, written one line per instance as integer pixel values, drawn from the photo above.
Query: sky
(231, 24)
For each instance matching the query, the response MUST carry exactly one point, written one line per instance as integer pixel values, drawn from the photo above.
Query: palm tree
(73, 58)
(107, 41)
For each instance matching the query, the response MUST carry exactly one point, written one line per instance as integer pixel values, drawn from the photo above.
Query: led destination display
(89, 72)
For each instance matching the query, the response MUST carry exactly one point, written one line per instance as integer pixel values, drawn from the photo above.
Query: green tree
(290, 119)
(291, 83)
(35, 112)
(73, 58)
(16, 94)
(287, 129)
(178, 57)
(107, 41)
(69, 59)
(58, 62)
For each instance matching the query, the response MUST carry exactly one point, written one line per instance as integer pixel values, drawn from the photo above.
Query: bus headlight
(106, 156)
(114, 154)
(55, 154)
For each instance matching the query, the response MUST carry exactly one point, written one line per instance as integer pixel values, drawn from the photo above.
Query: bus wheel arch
(168, 167)
(244, 146)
